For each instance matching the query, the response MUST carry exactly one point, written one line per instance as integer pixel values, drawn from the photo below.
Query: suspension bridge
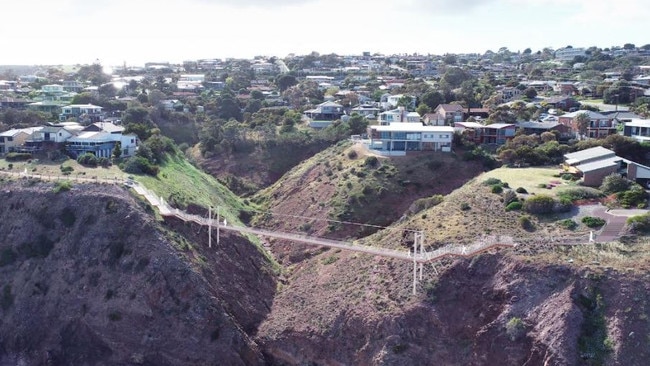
(419, 256)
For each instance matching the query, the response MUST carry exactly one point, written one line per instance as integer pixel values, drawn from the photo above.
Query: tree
(423, 109)
(285, 81)
(530, 93)
(358, 124)
(432, 99)
(117, 150)
(629, 46)
(581, 122)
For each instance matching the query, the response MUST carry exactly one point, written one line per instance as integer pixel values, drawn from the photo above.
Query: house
(73, 86)
(569, 53)
(14, 103)
(389, 101)
(508, 94)
(599, 125)
(477, 113)
(48, 137)
(562, 102)
(85, 112)
(496, 133)
(538, 128)
(638, 129)
(101, 144)
(598, 162)
(367, 110)
(325, 112)
(400, 137)
(105, 127)
(399, 114)
(10, 140)
(446, 114)
(171, 104)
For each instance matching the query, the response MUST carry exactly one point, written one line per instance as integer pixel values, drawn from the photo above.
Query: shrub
(539, 204)
(593, 222)
(639, 223)
(62, 186)
(525, 223)
(509, 196)
(104, 162)
(636, 196)
(87, 159)
(352, 154)
(515, 205)
(569, 224)
(567, 176)
(542, 185)
(371, 161)
(579, 193)
(515, 328)
(425, 203)
(497, 188)
(140, 165)
(66, 170)
(464, 206)
(615, 183)
(492, 181)
(14, 156)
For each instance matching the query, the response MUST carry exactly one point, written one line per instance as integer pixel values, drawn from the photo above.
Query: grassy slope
(343, 184)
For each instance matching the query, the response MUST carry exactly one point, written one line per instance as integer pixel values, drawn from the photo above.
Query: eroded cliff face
(492, 310)
(88, 277)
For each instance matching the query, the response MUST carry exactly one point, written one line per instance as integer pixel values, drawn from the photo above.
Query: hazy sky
(137, 31)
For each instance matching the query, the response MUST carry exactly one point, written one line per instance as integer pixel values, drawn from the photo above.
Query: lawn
(49, 168)
(530, 179)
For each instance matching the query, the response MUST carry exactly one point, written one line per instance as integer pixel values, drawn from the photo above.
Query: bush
(515, 205)
(140, 165)
(497, 188)
(569, 224)
(62, 186)
(13, 156)
(509, 196)
(615, 183)
(371, 161)
(525, 223)
(521, 190)
(567, 176)
(579, 193)
(66, 170)
(492, 181)
(639, 223)
(425, 203)
(352, 155)
(539, 204)
(87, 159)
(464, 206)
(636, 196)
(515, 328)
(593, 222)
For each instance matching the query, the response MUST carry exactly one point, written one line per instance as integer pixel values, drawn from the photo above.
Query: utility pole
(416, 238)
(421, 252)
(209, 226)
(218, 224)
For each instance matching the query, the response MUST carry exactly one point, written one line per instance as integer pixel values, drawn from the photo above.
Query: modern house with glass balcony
(398, 138)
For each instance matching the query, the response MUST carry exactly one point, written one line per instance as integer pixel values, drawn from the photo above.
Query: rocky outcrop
(87, 277)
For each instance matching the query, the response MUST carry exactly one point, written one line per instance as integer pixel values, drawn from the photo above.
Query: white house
(399, 114)
(403, 137)
(13, 138)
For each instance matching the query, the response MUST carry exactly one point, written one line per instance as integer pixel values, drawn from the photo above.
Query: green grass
(180, 183)
(50, 168)
(530, 179)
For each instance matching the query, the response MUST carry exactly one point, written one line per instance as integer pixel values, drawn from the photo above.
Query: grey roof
(588, 154)
(538, 125)
(600, 164)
